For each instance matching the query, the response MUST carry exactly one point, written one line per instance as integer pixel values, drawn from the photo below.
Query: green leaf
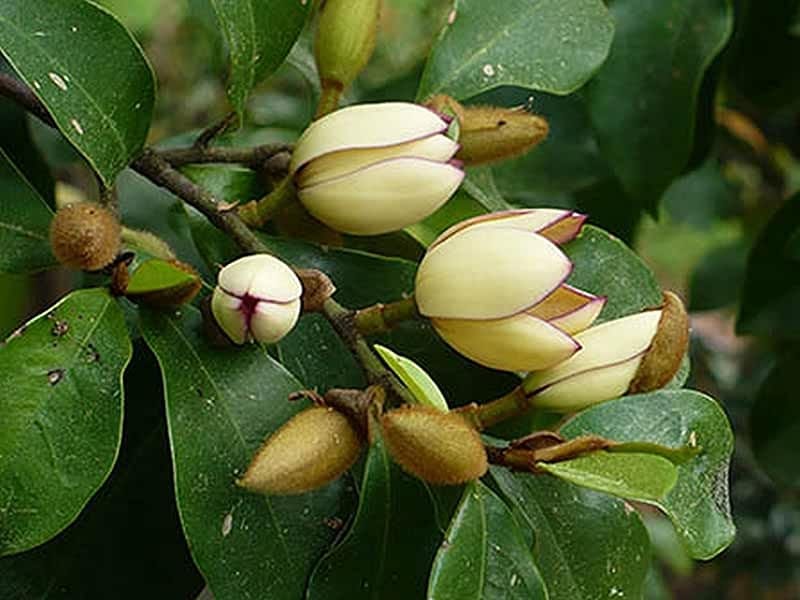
(259, 35)
(221, 404)
(480, 184)
(228, 183)
(128, 538)
(775, 422)
(24, 223)
(605, 266)
(61, 403)
(389, 548)
(587, 545)
(716, 282)
(460, 207)
(548, 45)
(88, 71)
(660, 53)
(702, 197)
(634, 476)
(484, 555)
(155, 274)
(698, 505)
(423, 388)
(771, 289)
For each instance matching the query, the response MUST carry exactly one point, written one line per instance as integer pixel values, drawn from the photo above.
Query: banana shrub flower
(257, 299)
(494, 289)
(637, 353)
(375, 168)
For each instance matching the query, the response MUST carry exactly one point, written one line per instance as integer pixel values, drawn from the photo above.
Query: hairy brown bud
(85, 236)
(313, 448)
(663, 358)
(438, 447)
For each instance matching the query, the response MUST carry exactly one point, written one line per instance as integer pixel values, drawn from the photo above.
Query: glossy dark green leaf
(635, 476)
(701, 198)
(221, 404)
(460, 207)
(227, 183)
(775, 422)
(484, 555)
(480, 184)
(698, 505)
(128, 540)
(259, 35)
(771, 289)
(88, 71)
(548, 45)
(643, 100)
(606, 266)
(717, 280)
(391, 543)
(61, 402)
(24, 223)
(587, 545)
(157, 274)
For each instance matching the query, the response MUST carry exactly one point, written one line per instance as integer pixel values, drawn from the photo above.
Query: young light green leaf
(61, 402)
(259, 35)
(88, 71)
(156, 274)
(698, 505)
(660, 54)
(587, 545)
(418, 381)
(634, 476)
(484, 535)
(221, 404)
(24, 223)
(391, 543)
(549, 45)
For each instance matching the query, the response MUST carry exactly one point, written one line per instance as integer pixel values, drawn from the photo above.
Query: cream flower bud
(374, 168)
(494, 289)
(604, 368)
(257, 298)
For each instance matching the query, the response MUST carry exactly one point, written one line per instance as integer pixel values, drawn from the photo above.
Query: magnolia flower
(493, 287)
(257, 298)
(375, 168)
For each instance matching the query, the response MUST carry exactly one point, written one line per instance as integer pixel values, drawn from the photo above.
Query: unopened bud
(85, 236)
(491, 133)
(312, 449)
(345, 39)
(441, 448)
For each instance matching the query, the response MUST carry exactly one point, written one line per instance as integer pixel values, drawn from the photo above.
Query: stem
(257, 212)
(250, 157)
(481, 416)
(16, 90)
(342, 321)
(380, 318)
(209, 133)
(329, 97)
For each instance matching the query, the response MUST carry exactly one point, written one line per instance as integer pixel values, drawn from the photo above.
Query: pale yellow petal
(365, 126)
(439, 148)
(518, 343)
(261, 276)
(231, 320)
(605, 344)
(488, 273)
(569, 309)
(271, 321)
(384, 197)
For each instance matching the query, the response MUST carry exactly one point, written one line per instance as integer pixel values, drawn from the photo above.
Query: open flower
(494, 289)
(257, 298)
(374, 168)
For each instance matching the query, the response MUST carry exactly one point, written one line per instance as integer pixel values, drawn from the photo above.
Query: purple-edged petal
(261, 276)
(518, 343)
(489, 273)
(383, 197)
(229, 316)
(366, 126)
(270, 321)
(438, 147)
(569, 308)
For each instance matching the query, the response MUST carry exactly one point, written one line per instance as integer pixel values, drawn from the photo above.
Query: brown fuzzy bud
(181, 293)
(439, 447)
(663, 358)
(313, 448)
(85, 236)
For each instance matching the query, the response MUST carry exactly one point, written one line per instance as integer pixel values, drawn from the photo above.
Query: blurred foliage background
(724, 231)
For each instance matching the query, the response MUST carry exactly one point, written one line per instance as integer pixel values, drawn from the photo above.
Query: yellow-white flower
(374, 168)
(494, 289)
(602, 369)
(257, 298)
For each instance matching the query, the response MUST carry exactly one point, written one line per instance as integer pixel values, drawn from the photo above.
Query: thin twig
(251, 157)
(16, 90)
(212, 131)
